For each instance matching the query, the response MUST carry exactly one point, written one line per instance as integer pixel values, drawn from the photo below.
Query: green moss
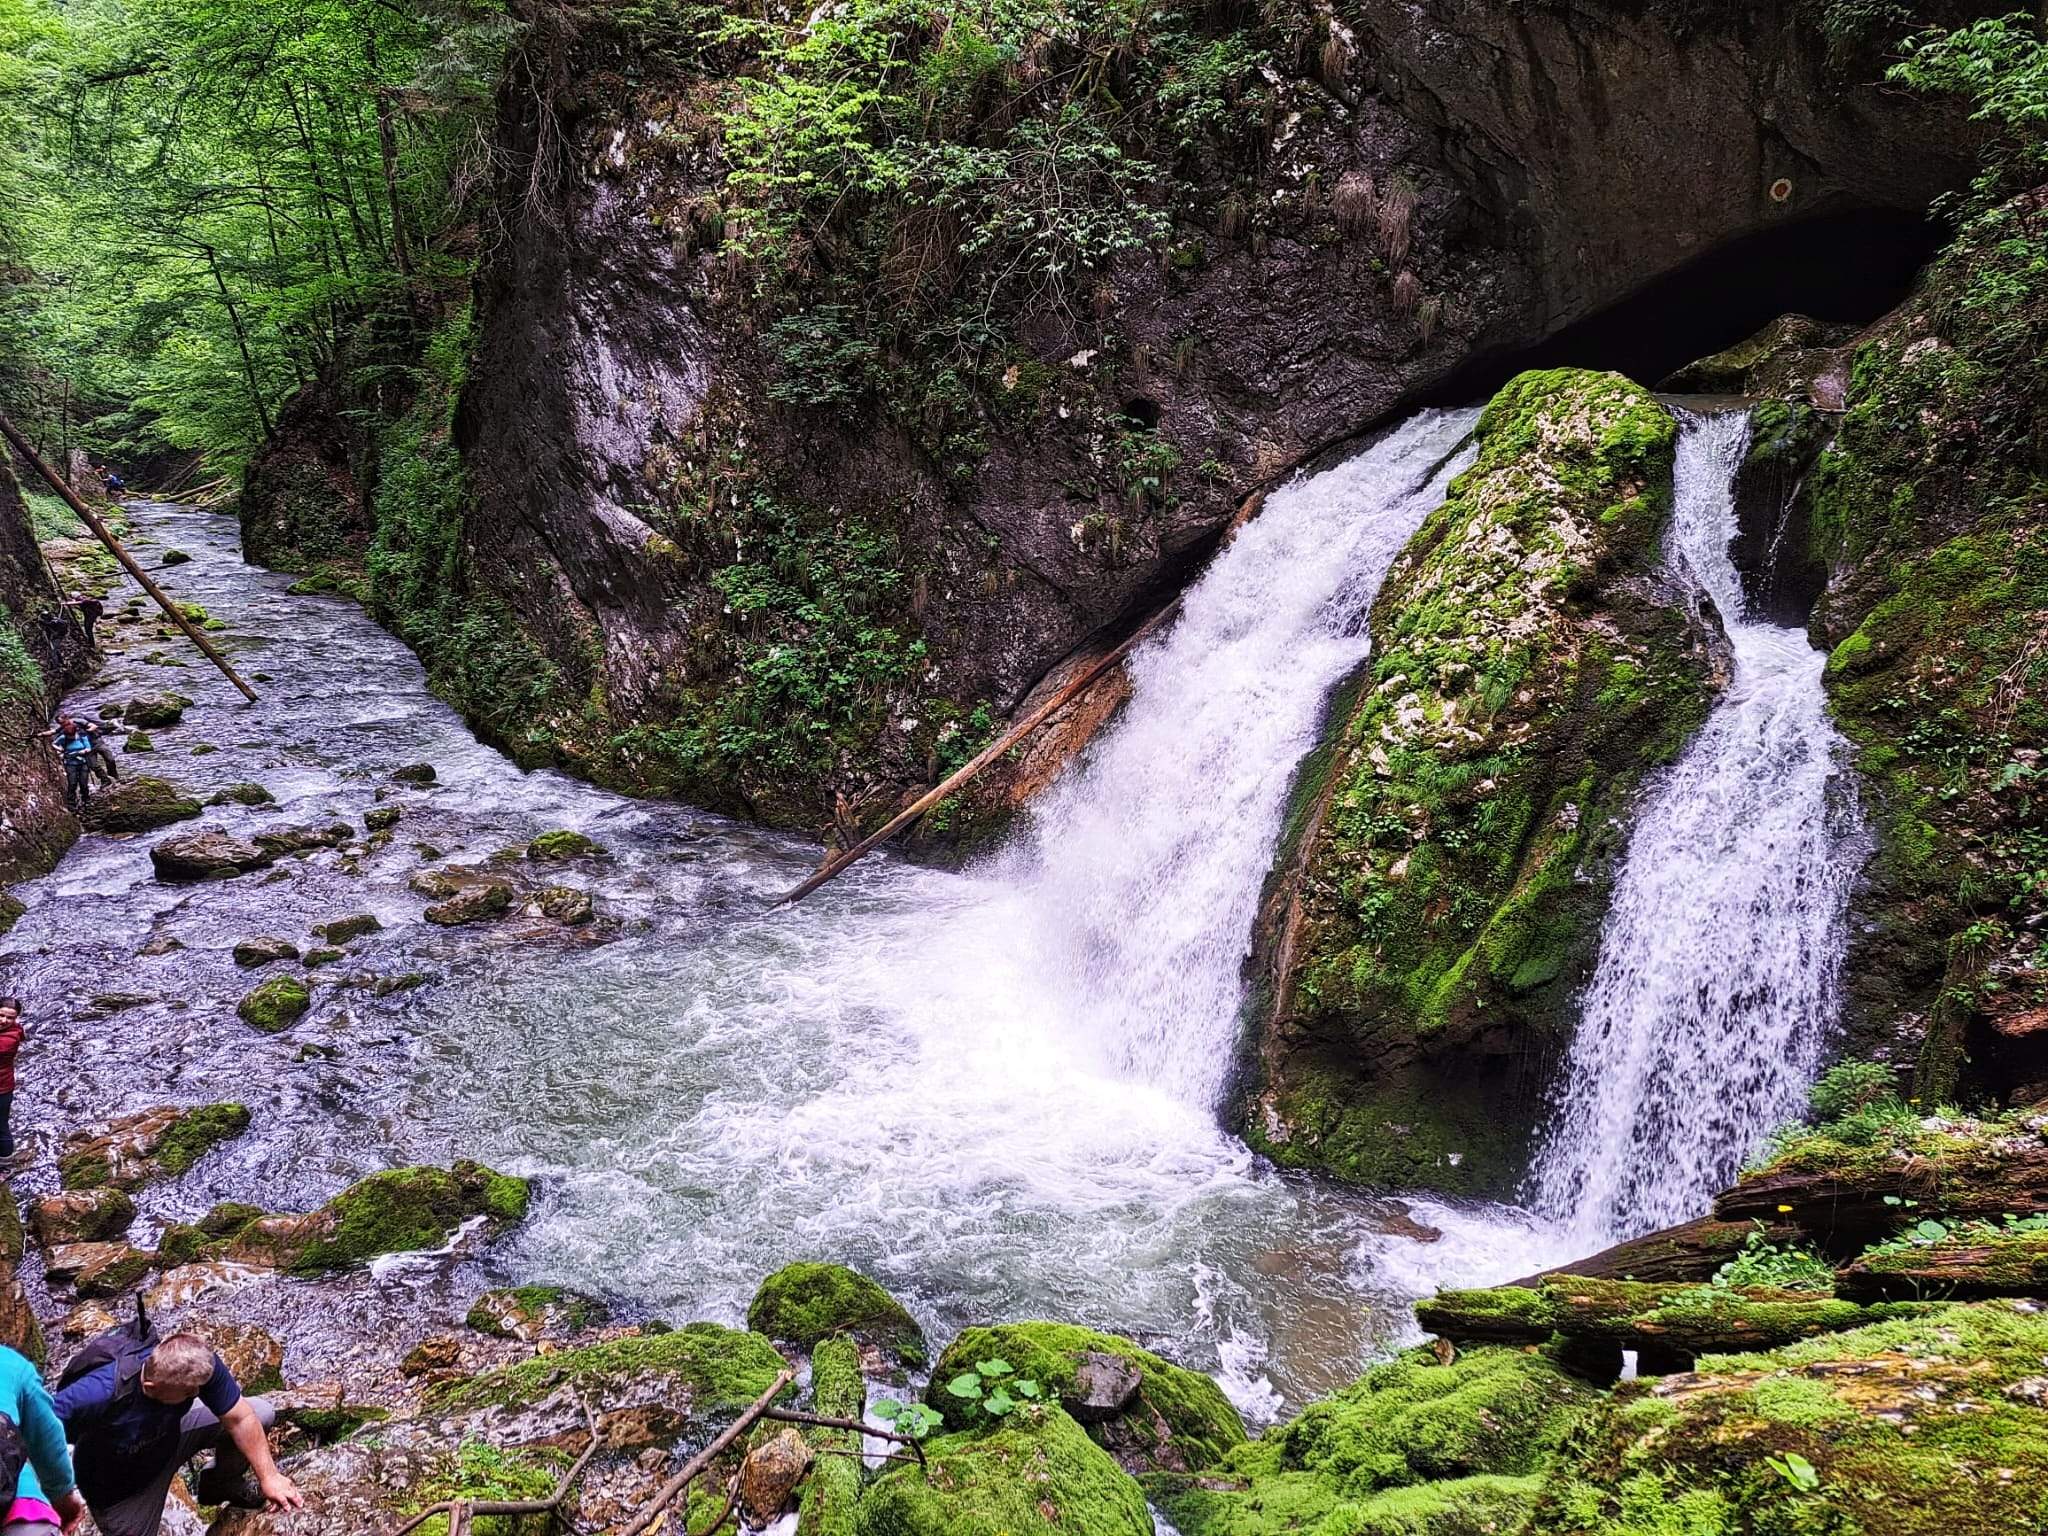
(831, 1495)
(198, 1132)
(805, 1302)
(182, 1244)
(721, 1369)
(403, 1209)
(12, 1239)
(480, 1471)
(141, 805)
(11, 910)
(237, 794)
(1040, 1476)
(536, 1306)
(1406, 1130)
(228, 1216)
(274, 1005)
(1182, 1419)
(343, 929)
(561, 845)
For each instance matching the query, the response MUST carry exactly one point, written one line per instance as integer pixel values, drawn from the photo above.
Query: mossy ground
(804, 1303)
(1038, 1474)
(1180, 1416)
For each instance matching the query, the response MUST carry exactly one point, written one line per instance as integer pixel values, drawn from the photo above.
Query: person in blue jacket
(46, 1496)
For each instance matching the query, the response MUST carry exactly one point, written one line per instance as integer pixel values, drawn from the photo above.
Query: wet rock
(154, 711)
(532, 1312)
(106, 1004)
(165, 1139)
(187, 1283)
(162, 944)
(384, 986)
(207, 854)
(561, 845)
(343, 929)
(138, 741)
(803, 1303)
(769, 1475)
(244, 794)
(139, 805)
(88, 1319)
(228, 1216)
(288, 840)
(398, 1211)
(474, 904)
(1031, 1476)
(80, 1216)
(382, 818)
(253, 1354)
(205, 749)
(174, 557)
(274, 1005)
(97, 1269)
(20, 1329)
(566, 904)
(1103, 1388)
(264, 950)
(414, 773)
(431, 1357)
(319, 957)
(434, 884)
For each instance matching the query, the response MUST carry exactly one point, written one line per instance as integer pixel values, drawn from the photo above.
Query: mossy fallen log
(1668, 1320)
(1853, 1201)
(1970, 1266)
(1688, 1254)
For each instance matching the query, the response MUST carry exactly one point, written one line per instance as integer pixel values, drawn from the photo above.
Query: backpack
(13, 1455)
(125, 1348)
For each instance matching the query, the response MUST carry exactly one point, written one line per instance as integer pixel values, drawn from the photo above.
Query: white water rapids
(1719, 962)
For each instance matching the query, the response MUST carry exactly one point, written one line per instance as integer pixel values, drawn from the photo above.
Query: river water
(994, 1091)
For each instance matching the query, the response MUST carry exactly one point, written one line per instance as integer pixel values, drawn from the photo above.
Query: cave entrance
(1848, 268)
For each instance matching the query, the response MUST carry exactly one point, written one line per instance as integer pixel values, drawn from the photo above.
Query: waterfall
(1719, 961)
(1145, 862)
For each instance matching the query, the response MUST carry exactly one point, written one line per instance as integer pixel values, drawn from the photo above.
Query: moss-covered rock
(831, 1495)
(475, 903)
(1451, 851)
(382, 818)
(561, 845)
(803, 1303)
(341, 930)
(274, 1005)
(140, 805)
(397, 1211)
(1413, 1447)
(243, 794)
(198, 1132)
(155, 711)
(1038, 1474)
(11, 910)
(94, 1215)
(146, 1144)
(1174, 1420)
(532, 1312)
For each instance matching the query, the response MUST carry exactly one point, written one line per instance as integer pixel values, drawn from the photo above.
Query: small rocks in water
(342, 929)
(769, 1475)
(382, 818)
(138, 805)
(384, 986)
(207, 854)
(154, 711)
(264, 950)
(275, 1005)
(162, 944)
(97, 1269)
(414, 773)
(567, 904)
(205, 749)
(320, 957)
(244, 794)
(561, 845)
(175, 557)
(304, 839)
(252, 1353)
(138, 741)
(432, 1357)
(1104, 1386)
(105, 1004)
(80, 1216)
(434, 884)
(473, 904)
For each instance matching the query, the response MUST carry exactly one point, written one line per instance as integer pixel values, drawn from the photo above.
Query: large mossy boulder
(1412, 1446)
(1037, 1474)
(804, 1303)
(164, 1140)
(139, 805)
(1151, 1414)
(152, 712)
(397, 1211)
(274, 1005)
(1453, 845)
(206, 853)
(530, 1313)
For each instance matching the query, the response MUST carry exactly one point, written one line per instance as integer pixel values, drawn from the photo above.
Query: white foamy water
(1719, 962)
(994, 1092)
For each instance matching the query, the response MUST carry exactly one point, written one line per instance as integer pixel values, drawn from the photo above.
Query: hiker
(74, 744)
(45, 1496)
(115, 484)
(10, 1046)
(90, 609)
(138, 1408)
(104, 768)
(53, 639)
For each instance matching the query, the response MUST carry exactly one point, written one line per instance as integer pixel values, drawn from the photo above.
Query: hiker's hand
(281, 1493)
(70, 1509)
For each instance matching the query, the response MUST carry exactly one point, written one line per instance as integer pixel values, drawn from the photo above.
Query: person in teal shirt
(47, 1494)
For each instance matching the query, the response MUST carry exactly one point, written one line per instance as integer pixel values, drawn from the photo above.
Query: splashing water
(994, 1092)
(1719, 962)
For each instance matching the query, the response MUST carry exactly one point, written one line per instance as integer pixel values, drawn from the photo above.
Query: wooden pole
(105, 536)
(836, 866)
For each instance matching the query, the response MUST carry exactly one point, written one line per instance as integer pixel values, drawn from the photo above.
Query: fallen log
(1693, 1251)
(1845, 1207)
(1966, 1268)
(1683, 1321)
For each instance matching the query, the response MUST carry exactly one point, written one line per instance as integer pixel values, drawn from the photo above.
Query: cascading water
(1719, 962)
(1145, 864)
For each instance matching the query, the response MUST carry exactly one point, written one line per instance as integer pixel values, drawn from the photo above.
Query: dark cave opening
(1849, 268)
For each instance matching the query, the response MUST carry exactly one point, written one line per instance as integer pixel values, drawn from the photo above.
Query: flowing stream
(995, 1091)
(1719, 962)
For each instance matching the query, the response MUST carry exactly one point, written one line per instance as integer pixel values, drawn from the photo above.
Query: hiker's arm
(43, 1433)
(246, 1430)
(82, 1404)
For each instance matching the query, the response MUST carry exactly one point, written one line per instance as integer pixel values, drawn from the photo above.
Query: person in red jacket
(10, 1043)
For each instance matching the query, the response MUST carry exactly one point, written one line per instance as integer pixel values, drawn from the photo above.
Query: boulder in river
(534, 1312)
(140, 804)
(803, 1303)
(382, 818)
(1175, 1421)
(473, 904)
(138, 1147)
(414, 773)
(207, 853)
(397, 1211)
(567, 905)
(274, 1005)
(264, 949)
(81, 1216)
(174, 557)
(154, 711)
(304, 839)
(561, 845)
(97, 1269)
(138, 741)
(342, 929)
(244, 794)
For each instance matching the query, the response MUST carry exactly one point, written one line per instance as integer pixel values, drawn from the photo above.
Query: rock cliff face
(1440, 903)
(1427, 186)
(35, 828)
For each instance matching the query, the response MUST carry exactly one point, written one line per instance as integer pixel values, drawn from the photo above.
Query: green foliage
(913, 1419)
(1849, 1086)
(994, 1389)
(1764, 1265)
